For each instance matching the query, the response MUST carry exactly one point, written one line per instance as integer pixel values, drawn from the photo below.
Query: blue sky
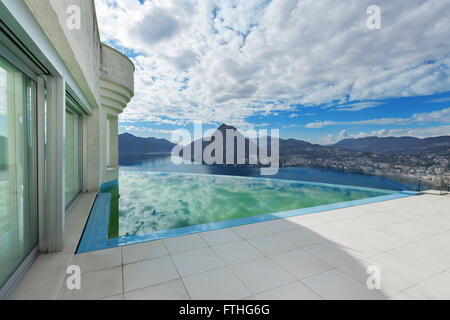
(311, 69)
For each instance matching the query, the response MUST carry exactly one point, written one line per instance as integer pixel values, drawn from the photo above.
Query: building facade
(61, 91)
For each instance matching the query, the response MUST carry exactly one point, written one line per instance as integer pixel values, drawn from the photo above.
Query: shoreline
(409, 181)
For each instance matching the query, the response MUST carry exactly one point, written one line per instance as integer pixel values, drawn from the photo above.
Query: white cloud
(292, 125)
(159, 25)
(320, 124)
(225, 61)
(357, 106)
(144, 130)
(420, 132)
(441, 116)
(440, 100)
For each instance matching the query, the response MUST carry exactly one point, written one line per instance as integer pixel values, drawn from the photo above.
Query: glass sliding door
(73, 163)
(18, 188)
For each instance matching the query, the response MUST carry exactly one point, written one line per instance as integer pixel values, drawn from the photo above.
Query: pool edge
(104, 243)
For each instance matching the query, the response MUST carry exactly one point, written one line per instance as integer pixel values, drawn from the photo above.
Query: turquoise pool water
(154, 206)
(152, 202)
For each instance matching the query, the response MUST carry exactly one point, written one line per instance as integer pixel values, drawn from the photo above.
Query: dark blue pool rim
(95, 236)
(109, 185)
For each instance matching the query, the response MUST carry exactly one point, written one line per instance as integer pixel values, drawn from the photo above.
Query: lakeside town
(423, 164)
(426, 170)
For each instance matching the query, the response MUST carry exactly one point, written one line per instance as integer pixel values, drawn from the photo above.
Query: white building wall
(99, 78)
(79, 48)
(105, 76)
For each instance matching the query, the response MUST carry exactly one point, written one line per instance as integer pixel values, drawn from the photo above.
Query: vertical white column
(40, 114)
(54, 197)
(93, 147)
(108, 142)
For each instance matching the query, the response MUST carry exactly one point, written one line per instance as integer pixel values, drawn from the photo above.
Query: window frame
(34, 199)
(73, 107)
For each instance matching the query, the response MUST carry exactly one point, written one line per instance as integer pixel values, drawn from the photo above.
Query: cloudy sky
(309, 68)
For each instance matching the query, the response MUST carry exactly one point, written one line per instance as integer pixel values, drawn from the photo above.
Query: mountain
(291, 148)
(222, 130)
(129, 144)
(404, 158)
(287, 147)
(396, 145)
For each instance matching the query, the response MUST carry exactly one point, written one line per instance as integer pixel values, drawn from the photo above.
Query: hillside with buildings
(426, 162)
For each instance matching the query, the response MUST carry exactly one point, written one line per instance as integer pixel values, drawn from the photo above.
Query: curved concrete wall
(116, 79)
(116, 91)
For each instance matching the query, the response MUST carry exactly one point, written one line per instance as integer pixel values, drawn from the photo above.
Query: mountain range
(129, 144)
(395, 145)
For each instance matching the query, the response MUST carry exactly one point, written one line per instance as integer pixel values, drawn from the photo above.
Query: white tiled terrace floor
(317, 256)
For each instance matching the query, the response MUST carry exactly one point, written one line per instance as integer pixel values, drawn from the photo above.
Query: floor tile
(436, 288)
(365, 223)
(302, 237)
(300, 264)
(218, 237)
(216, 285)
(251, 231)
(185, 243)
(419, 228)
(143, 251)
(340, 228)
(335, 285)
(387, 218)
(402, 230)
(358, 270)
(292, 291)
(408, 239)
(98, 260)
(278, 225)
(418, 258)
(39, 288)
(332, 253)
(193, 262)
(313, 219)
(261, 275)
(408, 266)
(441, 219)
(116, 297)
(347, 213)
(272, 244)
(149, 272)
(49, 265)
(171, 290)
(371, 242)
(440, 242)
(237, 252)
(96, 285)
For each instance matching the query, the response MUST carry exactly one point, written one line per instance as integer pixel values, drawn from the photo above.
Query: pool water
(151, 201)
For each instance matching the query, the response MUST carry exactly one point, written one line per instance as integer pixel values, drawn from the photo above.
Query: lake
(163, 163)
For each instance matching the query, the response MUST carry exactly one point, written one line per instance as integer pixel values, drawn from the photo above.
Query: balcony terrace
(318, 256)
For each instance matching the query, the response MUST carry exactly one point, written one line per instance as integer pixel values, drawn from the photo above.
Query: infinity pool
(152, 202)
(145, 206)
